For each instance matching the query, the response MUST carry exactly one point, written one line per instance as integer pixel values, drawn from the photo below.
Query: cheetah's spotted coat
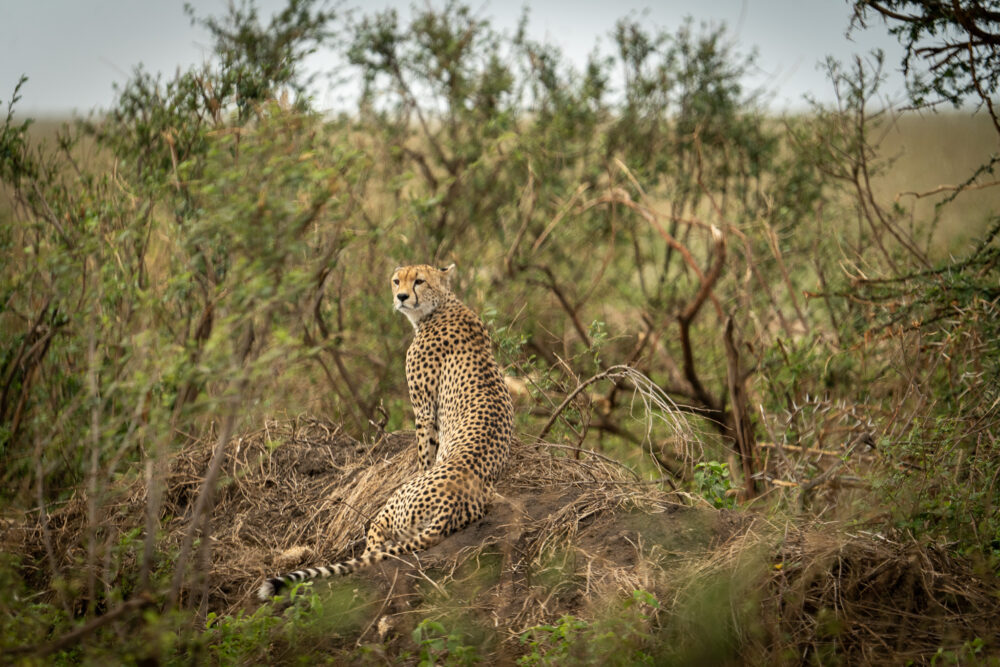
(464, 422)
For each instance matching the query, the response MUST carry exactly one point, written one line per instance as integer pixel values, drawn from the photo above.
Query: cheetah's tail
(422, 540)
(275, 585)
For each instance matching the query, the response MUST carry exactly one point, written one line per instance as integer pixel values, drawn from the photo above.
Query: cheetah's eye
(395, 281)
(418, 281)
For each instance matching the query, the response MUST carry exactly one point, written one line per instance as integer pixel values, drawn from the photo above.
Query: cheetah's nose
(402, 297)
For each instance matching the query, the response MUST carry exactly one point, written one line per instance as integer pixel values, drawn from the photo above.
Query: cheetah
(464, 424)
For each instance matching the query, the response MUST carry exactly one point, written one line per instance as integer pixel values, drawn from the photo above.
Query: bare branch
(946, 188)
(573, 394)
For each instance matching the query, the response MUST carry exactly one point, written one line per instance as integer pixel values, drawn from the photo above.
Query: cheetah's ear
(446, 272)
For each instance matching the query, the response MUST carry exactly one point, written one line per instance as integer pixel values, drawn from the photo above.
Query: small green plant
(550, 644)
(239, 638)
(713, 481)
(623, 637)
(598, 333)
(438, 646)
(969, 653)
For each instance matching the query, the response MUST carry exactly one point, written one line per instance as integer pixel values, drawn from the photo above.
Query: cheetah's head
(418, 290)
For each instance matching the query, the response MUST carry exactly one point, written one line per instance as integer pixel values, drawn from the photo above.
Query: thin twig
(591, 452)
(573, 394)
(946, 188)
(206, 494)
(377, 616)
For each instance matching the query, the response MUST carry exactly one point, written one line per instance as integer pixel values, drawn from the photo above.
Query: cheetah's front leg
(427, 436)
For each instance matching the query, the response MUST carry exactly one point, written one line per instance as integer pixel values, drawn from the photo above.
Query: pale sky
(74, 50)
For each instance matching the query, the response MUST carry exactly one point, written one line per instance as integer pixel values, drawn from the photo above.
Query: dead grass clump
(863, 597)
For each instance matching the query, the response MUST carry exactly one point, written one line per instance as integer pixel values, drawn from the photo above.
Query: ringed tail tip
(269, 589)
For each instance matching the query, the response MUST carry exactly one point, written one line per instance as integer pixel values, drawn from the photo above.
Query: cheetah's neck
(448, 304)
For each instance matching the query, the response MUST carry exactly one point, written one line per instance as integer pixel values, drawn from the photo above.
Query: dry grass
(860, 596)
(569, 533)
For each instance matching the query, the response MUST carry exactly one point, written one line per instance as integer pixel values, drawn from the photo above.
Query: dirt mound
(569, 531)
(301, 493)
